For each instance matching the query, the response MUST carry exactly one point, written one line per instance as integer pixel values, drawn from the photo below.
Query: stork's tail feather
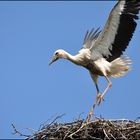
(120, 66)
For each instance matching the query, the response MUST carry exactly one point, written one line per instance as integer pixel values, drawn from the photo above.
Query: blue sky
(30, 91)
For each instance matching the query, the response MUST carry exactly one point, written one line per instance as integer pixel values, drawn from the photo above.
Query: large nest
(98, 129)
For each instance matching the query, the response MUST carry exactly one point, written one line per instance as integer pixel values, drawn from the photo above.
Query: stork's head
(58, 54)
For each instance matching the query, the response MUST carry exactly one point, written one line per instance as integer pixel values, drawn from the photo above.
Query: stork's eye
(56, 53)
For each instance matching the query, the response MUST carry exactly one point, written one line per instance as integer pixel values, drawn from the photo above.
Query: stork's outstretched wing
(118, 30)
(90, 38)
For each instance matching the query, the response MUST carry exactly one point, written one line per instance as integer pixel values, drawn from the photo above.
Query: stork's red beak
(53, 60)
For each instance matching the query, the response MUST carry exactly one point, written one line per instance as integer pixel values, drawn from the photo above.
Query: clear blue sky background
(31, 91)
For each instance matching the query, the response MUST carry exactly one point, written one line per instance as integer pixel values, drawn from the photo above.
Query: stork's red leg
(98, 96)
(94, 77)
(102, 95)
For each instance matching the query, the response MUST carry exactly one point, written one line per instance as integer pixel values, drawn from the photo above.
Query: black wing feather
(125, 30)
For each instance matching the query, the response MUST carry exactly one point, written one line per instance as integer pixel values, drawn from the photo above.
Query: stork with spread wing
(102, 51)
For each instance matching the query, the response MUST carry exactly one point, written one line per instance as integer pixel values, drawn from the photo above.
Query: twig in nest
(84, 124)
(106, 134)
(18, 132)
(43, 126)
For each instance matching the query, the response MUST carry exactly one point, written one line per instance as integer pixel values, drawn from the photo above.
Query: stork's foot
(100, 99)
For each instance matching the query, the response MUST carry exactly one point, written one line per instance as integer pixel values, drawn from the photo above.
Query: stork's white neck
(72, 58)
(76, 59)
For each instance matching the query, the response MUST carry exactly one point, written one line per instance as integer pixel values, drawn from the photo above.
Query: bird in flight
(102, 51)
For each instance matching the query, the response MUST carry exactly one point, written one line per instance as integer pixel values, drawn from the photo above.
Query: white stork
(102, 52)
